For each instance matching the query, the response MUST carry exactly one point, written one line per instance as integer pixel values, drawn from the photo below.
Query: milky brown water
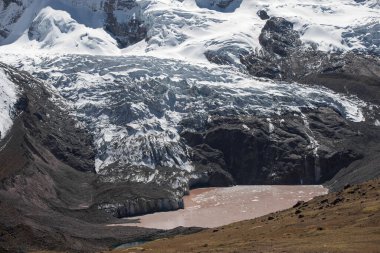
(213, 207)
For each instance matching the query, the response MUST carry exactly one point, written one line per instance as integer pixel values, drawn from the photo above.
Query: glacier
(136, 107)
(137, 95)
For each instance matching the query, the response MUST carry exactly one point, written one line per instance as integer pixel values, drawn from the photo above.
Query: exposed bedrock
(278, 36)
(43, 121)
(50, 197)
(305, 148)
(210, 166)
(350, 73)
(284, 57)
(125, 21)
(219, 5)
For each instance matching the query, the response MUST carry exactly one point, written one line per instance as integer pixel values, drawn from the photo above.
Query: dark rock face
(353, 72)
(209, 164)
(349, 73)
(220, 5)
(72, 145)
(260, 67)
(289, 149)
(133, 29)
(278, 36)
(263, 14)
(225, 55)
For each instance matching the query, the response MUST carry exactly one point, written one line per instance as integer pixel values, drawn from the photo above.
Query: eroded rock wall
(306, 148)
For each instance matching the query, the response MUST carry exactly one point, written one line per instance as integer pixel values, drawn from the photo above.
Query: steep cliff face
(220, 5)
(125, 21)
(41, 114)
(307, 148)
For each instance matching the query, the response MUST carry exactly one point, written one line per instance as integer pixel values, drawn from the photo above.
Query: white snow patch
(270, 126)
(55, 31)
(246, 127)
(8, 97)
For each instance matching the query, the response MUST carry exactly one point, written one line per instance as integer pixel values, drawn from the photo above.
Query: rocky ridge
(285, 58)
(49, 192)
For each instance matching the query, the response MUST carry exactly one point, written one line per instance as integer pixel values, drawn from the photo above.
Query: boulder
(263, 14)
(278, 36)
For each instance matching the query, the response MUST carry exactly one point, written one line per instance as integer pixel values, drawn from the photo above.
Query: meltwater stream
(213, 207)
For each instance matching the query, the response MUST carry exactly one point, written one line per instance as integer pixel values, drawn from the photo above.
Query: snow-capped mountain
(183, 29)
(154, 80)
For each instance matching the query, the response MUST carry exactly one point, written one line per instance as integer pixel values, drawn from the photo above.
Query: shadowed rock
(278, 36)
(288, 149)
(263, 14)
